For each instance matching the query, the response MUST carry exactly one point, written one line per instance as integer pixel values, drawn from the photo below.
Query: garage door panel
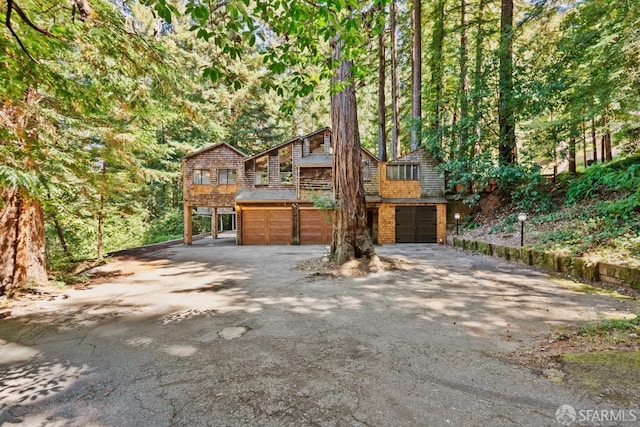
(416, 224)
(266, 226)
(315, 227)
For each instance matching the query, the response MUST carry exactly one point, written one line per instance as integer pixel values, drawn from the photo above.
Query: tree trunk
(584, 144)
(594, 141)
(382, 108)
(100, 228)
(478, 78)
(351, 236)
(506, 115)
(60, 234)
(464, 104)
(608, 151)
(437, 70)
(396, 150)
(22, 247)
(416, 77)
(572, 156)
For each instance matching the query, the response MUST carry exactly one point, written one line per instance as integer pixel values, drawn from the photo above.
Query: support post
(214, 223)
(188, 225)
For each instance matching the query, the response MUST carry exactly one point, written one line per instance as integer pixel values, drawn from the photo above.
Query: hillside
(595, 215)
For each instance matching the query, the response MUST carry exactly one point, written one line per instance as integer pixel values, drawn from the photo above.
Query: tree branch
(7, 24)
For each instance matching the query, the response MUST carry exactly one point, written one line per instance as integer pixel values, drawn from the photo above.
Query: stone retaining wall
(578, 267)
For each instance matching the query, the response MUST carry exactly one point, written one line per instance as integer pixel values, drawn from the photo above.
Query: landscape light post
(522, 217)
(457, 217)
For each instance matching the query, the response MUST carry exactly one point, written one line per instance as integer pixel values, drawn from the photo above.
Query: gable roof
(420, 150)
(275, 147)
(213, 147)
(290, 141)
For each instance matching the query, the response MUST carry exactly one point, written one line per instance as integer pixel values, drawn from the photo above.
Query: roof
(290, 141)
(422, 150)
(275, 147)
(214, 146)
(264, 195)
(315, 160)
(370, 154)
(409, 201)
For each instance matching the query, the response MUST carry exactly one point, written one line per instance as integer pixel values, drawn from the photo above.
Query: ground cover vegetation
(103, 98)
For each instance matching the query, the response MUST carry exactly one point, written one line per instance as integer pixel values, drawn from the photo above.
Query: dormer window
(286, 165)
(262, 170)
(201, 176)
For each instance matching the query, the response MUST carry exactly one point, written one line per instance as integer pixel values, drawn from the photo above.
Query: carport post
(214, 223)
(188, 225)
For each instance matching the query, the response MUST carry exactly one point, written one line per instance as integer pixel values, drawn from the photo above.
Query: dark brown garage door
(416, 224)
(266, 226)
(315, 227)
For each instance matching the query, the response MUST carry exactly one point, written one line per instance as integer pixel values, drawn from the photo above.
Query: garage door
(266, 226)
(315, 227)
(416, 224)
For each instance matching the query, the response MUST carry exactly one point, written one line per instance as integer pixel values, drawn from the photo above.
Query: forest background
(101, 100)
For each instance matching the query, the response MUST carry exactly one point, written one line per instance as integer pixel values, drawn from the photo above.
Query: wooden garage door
(416, 224)
(315, 227)
(266, 226)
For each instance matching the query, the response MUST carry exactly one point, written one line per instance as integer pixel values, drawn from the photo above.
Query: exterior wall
(314, 181)
(387, 222)
(430, 184)
(212, 195)
(372, 187)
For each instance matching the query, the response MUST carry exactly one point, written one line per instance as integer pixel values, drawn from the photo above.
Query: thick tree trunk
(608, 150)
(416, 77)
(382, 108)
(351, 236)
(22, 247)
(396, 149)
(506, 115)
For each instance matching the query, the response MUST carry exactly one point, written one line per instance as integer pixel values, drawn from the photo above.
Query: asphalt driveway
(219, 335)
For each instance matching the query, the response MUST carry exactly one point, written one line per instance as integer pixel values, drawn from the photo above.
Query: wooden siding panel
(266, 226)
(315, 227)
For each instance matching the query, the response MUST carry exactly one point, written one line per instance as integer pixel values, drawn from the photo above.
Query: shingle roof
(409, 201)
(264, 195)
(315, 160)
(214, 146)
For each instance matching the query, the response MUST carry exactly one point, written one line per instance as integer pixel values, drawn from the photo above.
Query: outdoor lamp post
(522, 217)
(457, 217)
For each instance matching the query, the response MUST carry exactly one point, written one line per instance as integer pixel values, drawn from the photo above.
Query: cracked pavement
(219, 335)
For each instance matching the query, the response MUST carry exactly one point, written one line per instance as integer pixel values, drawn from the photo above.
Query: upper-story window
(408, 171)
(226, 176)
(286, 165)
(262, 170)
(316, 146)
(366, 169)
(202, 176)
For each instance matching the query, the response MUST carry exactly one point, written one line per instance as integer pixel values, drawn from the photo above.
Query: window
(366, 169)
(226, 176)
(405, 172)
(286, 165)
(201, 176)
(262, 170)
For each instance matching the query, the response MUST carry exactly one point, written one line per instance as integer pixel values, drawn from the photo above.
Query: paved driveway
(219, 335)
